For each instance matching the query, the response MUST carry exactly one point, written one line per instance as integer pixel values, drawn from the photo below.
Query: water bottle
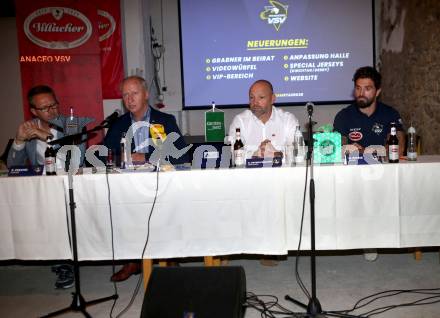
(411, 150)
(72, 124)
(299, 146)
(124, 158)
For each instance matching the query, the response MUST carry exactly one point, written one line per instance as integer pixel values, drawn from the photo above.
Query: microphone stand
(313, 308)
(71, 139)
(78, 303)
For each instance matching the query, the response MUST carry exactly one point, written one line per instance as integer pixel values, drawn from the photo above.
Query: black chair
(4, 155)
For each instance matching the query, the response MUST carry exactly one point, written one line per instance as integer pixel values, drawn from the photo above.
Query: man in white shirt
(264, 128)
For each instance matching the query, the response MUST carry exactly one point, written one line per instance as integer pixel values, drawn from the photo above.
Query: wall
(10, 90)
(410, 65)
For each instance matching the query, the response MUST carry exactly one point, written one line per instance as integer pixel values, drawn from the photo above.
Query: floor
(26, 289)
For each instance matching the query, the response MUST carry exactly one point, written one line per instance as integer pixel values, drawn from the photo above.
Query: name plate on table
(361, 159)
(351, 159)
(21, 171)
(264, 162)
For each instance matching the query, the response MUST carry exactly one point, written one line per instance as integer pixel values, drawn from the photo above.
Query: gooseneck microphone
(111, 118)
(309, 107)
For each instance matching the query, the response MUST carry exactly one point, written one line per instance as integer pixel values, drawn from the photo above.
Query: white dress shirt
(279, 129)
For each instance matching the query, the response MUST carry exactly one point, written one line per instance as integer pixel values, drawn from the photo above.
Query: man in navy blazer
(135, 96)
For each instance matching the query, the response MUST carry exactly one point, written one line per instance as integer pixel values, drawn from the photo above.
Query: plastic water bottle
(124, 158)
(411, 150)
(299, 146)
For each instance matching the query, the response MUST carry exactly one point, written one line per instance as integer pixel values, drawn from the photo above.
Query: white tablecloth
(219, 212)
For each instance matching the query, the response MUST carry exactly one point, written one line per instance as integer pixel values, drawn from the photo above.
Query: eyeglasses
(45, 109)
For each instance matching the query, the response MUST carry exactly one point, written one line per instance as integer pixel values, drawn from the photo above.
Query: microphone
(111, 118)
(309, 107)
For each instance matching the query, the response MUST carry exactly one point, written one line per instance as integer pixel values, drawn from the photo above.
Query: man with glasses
(30, 144)
(30, 140)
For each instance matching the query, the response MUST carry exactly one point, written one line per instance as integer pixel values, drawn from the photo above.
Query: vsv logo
(275, 14)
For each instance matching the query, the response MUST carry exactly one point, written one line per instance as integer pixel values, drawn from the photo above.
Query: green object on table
(327, 147)
(214, 126)
(325, 128)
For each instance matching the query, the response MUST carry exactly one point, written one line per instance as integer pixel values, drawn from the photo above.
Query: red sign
(57, 28)
(109, 24)
(59, 47)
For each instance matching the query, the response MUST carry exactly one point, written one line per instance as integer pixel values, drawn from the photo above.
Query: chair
(4, 156)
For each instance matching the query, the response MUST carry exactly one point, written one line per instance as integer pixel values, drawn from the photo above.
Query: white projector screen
(308, 49)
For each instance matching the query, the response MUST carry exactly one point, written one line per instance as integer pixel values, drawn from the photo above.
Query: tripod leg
(58, 312)
(335, 314)
(101, 300)
(296, 302)
(77, 304)
(85, 313)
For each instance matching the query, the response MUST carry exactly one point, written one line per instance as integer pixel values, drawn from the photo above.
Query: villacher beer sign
(106, 25)
(57, 28)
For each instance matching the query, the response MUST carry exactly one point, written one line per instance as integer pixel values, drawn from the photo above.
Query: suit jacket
(122, 124)
(28, 155)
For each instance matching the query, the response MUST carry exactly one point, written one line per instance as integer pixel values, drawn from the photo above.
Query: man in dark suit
(144, 120)
(148, 125)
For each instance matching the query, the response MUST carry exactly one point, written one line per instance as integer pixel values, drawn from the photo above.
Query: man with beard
(368, 121)
(264, 128)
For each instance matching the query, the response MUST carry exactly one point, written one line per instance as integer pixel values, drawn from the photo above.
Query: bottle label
(411, 155)
(239, 157)
(299, 153)
(299, 159)
(393, 152)
(49, 163)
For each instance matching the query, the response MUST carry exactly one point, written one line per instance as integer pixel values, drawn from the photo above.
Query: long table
(221, 212)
